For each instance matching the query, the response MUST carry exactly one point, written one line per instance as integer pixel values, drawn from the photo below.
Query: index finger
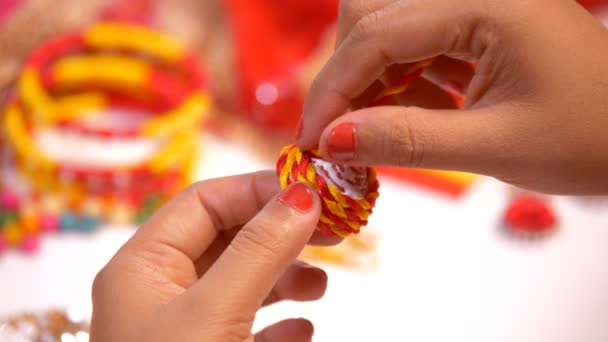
(351, 11)
(402, 32)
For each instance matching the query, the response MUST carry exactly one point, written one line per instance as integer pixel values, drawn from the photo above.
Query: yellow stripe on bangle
(120, 71)
(115, 35)
(187, 115)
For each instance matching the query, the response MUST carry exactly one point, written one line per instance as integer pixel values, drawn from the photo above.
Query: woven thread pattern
(342, 215)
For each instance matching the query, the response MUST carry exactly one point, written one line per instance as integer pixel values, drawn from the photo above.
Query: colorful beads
(30, 243)
(8, 217)
(89, 223)
(3, 243)
(12, 234)
(9, 200)
(22, 227)
(68, 222)
(30, 222)
(49, 223)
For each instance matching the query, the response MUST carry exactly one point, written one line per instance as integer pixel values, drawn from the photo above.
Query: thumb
(459, 140)
(239, 281)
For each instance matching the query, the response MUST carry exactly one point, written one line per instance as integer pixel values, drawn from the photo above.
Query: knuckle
(350, 11)
(402, 145)
(347, 11)
(100, 283)
(230, 327)
(365, 27)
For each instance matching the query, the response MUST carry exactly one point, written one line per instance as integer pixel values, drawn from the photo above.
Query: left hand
(203, 265)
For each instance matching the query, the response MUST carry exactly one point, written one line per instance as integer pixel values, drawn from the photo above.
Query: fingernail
(341, 142)
(297, 196)
(299, 129)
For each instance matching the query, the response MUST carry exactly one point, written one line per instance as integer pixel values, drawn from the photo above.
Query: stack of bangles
(119, 86)
(348, 194)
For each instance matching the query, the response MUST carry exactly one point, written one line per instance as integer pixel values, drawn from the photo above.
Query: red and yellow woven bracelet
(150, 83)
(348, 194)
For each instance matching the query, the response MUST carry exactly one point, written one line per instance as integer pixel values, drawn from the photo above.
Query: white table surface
(446, 273)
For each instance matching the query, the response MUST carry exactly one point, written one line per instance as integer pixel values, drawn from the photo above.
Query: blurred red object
(593, 4)
(273, 38)
(530, 215)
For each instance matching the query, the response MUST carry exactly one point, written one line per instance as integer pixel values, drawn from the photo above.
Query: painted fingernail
(297, 196)
(299, 129)
(341, 142)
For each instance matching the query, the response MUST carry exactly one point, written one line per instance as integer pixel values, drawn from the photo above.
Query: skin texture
(536, 109)
(203, 265)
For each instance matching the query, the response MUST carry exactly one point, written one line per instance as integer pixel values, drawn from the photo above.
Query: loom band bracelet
(113, 35)
(187, 115)
(109, 35)
(98, 39)
(118, 178)
(119, 38)
(18, 135)
(176, 149)
(139, 40)
(146, 102)
(117, 72)
(35, 96)
(173, 154)
(96, 179)
(142, 106)
(68, 107)
(56, 48)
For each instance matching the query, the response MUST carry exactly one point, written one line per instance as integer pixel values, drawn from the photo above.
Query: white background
(446, 273)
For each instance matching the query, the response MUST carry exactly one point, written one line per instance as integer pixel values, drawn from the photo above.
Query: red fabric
(272, 39)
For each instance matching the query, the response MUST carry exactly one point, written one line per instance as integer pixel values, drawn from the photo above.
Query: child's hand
(536, 111)
(202, 266)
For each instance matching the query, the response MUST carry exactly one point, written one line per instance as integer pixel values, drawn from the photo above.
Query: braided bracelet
(348, 194)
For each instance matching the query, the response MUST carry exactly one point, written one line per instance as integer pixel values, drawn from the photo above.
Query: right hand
(536, 110)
